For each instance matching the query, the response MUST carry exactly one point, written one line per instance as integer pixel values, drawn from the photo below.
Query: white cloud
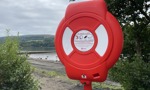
(31, 16)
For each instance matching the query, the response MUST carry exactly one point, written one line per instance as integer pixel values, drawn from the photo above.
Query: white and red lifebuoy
(88, 40)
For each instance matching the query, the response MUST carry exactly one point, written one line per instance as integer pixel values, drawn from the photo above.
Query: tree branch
(141, 10)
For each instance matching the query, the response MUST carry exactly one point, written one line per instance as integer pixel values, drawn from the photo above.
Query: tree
(15, 71)
(133, 70)
(133, 14)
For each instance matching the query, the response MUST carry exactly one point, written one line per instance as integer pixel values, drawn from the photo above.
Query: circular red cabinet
(88, 41)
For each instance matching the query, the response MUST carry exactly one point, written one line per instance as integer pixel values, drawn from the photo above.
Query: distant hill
(2, 39)
(35, 37)
(34, 42)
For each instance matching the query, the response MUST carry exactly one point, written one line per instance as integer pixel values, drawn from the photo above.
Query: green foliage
(128, 11)
(106, 86)
(136, 43)
(132, 75)
(33, 42)
(133, 69)
(15, 71)
(47, 73)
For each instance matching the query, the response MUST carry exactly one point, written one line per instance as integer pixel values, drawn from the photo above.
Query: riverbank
(44, 56)
(51, 76)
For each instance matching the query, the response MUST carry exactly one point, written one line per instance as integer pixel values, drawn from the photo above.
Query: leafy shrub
(15, 71)
(133, 74)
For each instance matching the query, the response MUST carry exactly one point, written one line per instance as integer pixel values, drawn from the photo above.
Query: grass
(46, 73)
(106, 86)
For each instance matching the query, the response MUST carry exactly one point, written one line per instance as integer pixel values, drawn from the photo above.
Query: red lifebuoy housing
(88, 41)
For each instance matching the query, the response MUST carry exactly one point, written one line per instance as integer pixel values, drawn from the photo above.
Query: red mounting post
(87, 85)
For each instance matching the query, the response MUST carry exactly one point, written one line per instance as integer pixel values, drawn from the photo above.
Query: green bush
(15, 71)
(133, 74)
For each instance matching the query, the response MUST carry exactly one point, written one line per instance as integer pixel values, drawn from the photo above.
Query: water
(37, 48)
(45, 56)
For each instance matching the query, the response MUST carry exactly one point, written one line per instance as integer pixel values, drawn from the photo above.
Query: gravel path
(54, 83)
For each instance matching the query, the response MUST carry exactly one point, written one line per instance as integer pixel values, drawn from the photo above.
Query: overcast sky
(31, 16)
